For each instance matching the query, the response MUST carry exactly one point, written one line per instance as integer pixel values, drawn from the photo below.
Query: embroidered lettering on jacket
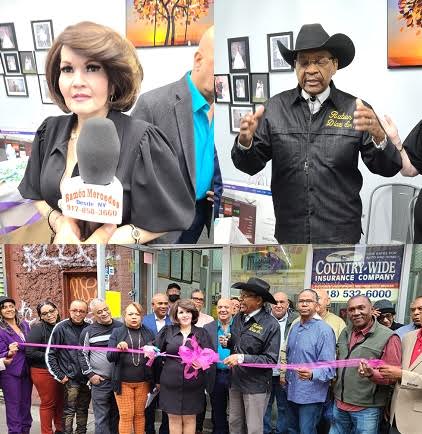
(339, 120)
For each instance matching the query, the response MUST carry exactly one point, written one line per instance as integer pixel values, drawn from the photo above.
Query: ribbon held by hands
(204, 357)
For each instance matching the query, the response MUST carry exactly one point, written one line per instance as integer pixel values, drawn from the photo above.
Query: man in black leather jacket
(313, 134)
(255, 338)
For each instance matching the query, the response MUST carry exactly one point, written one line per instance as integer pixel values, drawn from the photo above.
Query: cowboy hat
(258, 286)
(314, 37)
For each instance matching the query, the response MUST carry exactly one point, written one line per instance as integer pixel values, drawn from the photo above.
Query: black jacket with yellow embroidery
(315, 176)
(259, 340)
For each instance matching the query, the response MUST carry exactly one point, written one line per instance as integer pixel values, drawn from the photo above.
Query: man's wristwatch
(381, 145)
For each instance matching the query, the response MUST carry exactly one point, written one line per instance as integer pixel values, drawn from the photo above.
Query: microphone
(96, 195)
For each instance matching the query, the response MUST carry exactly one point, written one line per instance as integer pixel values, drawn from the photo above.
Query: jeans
(278, 392)
(359, 422)
(303, 418)
(219, 400)
(106, 413)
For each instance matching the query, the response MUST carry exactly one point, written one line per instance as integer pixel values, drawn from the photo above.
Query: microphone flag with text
(96, 195)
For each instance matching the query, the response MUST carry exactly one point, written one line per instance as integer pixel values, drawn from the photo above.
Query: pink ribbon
(204, 357)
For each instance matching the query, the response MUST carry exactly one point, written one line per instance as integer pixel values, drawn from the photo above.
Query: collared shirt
(203, 132)
(311, 341)
(315, 166)
(223, 352)
(314, 106)
(417, 349)
(159, 322)
(391, 356)
(250, 315)
(203, 319)
(282, 323)
(405, 329)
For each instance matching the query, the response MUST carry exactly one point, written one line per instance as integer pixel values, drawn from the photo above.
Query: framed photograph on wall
(1, 66)
(238, 54)
(222, 90)
(187, 266)
(11, 63)
(42, 32)
(236, 113)
(260, 87)
(240, 88)
(45, 93)
(8, 41)
(176, 264)
(40, 58)
(28, 63)
(15, 85)
(276, 62)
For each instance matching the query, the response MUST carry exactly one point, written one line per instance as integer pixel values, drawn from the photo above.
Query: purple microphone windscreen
(98, 151)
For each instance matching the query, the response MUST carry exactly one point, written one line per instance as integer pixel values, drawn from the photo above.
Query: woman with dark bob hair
(50, 391)
(15, 380)
(182, 399)
(92, 71)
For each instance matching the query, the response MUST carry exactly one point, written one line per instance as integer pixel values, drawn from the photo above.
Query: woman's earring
(112, 98)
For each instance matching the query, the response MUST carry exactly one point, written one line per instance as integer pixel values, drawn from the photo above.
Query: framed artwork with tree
(167, 23)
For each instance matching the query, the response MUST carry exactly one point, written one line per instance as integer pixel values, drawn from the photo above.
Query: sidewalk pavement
(36, 420)
(91, 425)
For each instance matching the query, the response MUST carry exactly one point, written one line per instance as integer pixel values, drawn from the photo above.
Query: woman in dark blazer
(131, 378)
(181, 398)
(92, 71)
(49, 390)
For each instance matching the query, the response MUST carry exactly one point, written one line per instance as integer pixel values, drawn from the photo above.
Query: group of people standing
(265, 331)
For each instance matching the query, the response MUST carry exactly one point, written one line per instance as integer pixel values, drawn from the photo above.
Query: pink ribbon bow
(202, 356)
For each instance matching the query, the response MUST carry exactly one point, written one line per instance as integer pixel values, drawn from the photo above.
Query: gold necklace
(139, 347)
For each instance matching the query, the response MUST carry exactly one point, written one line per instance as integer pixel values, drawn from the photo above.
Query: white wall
(161, 65)
(394, 92)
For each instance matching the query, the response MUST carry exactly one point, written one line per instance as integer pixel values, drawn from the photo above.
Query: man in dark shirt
(254, 338)
(97, 368)
(313, 134)
(64, 367)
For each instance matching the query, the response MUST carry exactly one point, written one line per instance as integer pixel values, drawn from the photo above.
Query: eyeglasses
(243, 295)
(322, 62)
(383, 316)
(306, 301)
(77, 311)
(197, 299)
(48, 312)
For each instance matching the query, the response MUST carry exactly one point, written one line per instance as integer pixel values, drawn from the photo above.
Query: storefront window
(282, 266)
(191, 269)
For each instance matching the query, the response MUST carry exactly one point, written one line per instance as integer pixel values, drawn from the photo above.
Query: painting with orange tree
(167, 23)
(404, 33)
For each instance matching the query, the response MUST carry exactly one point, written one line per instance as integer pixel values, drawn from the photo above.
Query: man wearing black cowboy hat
(313, 134)
(255, 338)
